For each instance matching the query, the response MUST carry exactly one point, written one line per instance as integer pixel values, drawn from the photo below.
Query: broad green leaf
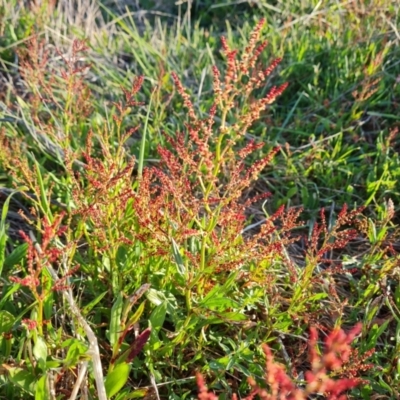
(243, 369)
(116, 379)
(53, 364)
(76, 351)
(220, 303)
(40, 351)
(23, 379)
(106, 263)
(291, 192)
(115, 324)
(122, 256)
(318, 296)
(156, 297)
(234, 316)
(220, 363)
(42, 392)
(157, 317)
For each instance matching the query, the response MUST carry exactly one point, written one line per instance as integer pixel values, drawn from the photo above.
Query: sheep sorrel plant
(337, 355)
(177, 232)
(194, 200)
(179, 227)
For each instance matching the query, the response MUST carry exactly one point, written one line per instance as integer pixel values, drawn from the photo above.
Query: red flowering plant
(177, 229)
(194, 200)
(191, 208)
(329, 375)
(179, 226)
(35, 278)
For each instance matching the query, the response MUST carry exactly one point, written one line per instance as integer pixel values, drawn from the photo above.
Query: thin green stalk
(188, 295)
(40, 316)
(143, 141)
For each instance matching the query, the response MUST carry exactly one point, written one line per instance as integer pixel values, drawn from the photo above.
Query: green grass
(166, 280)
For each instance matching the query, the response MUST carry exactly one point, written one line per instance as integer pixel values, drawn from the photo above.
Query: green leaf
(178, 259)
(89, 307)
(397, 296)
(10, 291)
(16, 256)
(220, 303)
(116, 379)
(318, 296)
(157, 317)
(23, 379)
(3, 231)
(40, 351)
(229, 282)
(53, 364)
(291, 192)
(44, 202)
(283, 322)
(3, 242)
(373, 308)
(4, 211)
(224, 318)
(368, 293)
(42, 392)
(376, 331)
(136, 394)
(122, 256)
(234, 316)
(220, 363)
(6, 321)
(48, 306)
(372, 231)
(155, 296)
(135, 317)
(115, 324)
(382, 233)
(76, 351)
(213, 292)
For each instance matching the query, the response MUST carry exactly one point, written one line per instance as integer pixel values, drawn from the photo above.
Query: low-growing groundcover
(151, 273)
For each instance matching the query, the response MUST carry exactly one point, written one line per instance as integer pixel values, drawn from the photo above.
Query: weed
(336, 356)
(145, 273)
